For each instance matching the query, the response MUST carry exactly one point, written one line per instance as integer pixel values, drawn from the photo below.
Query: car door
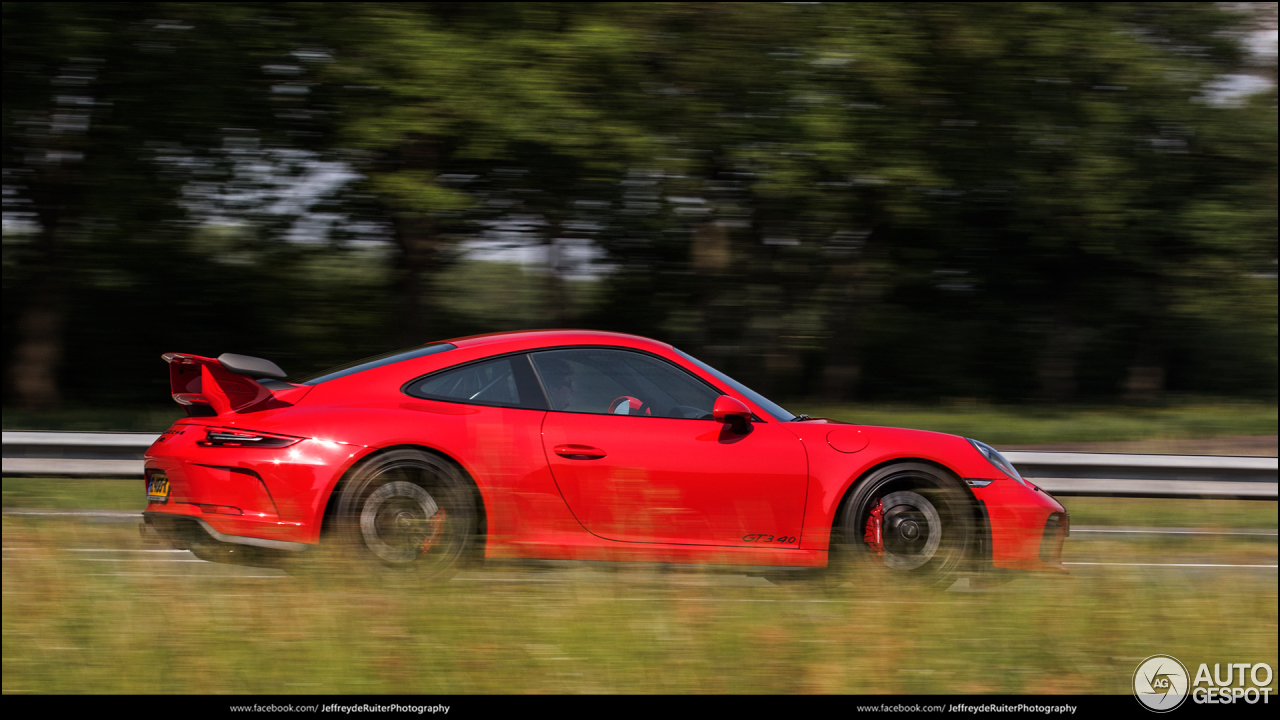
(637, 456)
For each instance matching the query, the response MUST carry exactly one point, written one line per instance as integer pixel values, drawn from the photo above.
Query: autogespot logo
(1160, 683)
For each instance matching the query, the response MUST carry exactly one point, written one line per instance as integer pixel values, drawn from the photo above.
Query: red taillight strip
(218, 509)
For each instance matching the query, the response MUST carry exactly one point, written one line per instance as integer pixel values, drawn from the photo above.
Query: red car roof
(543, 338)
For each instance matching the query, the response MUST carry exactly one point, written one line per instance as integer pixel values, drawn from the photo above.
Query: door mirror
(734, 412)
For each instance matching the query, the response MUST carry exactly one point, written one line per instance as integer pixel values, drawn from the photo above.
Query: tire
(407, 513)
(927, 529)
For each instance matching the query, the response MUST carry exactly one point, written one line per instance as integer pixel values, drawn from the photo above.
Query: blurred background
(1028, 203)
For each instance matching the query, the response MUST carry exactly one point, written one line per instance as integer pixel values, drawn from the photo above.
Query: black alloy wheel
(909, 520)
(408, 511)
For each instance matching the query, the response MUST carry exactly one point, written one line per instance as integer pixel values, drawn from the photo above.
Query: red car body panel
(689, 482)
(564, 485)
(280, 493)
(1018, 515)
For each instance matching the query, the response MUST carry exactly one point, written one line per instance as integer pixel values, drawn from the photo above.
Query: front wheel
(911, 521)
(408, 512)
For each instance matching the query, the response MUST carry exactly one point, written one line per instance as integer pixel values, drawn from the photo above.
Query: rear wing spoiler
(226, 384)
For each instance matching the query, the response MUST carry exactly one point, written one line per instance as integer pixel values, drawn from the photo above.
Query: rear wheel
(408, 512)
(910, 521)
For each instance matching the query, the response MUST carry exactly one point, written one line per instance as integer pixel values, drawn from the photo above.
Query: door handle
(578, 452)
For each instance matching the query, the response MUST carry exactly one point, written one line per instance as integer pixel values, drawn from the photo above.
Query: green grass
(73, 623)
(1171, 512)
(1216, 549)
(61, 493)
(1008, 425)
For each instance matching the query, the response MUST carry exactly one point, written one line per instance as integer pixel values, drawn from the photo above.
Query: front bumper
(1027, 526)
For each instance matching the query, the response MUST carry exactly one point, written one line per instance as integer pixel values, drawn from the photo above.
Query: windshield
(777, 411)
(369, 363)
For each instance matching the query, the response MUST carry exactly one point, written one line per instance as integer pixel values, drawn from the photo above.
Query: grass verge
(1029, 425)
(63, 493)
(96, 623)
(1172, 512)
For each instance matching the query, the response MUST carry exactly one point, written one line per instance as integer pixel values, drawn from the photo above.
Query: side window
(506, 381)
(618, 382)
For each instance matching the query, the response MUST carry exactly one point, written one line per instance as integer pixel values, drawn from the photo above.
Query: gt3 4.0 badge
(768, 538)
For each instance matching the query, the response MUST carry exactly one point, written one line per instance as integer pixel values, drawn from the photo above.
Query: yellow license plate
(158, 488)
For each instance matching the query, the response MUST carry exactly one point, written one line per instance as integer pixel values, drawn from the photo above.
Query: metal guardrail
(119, 455)
(75, 454)
(1189, 476)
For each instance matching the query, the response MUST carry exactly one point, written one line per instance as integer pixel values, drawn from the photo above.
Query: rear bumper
(206, 543)
(277, 496)
(184, 532)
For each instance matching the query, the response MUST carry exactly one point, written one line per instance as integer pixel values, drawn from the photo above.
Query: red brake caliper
(875, 524)
(437, 526)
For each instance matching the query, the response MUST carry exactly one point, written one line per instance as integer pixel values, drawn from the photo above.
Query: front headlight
(994, 457)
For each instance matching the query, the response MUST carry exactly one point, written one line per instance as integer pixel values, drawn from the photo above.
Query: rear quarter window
(504, 382)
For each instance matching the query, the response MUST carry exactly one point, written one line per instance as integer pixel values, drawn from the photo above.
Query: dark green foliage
(890, 202)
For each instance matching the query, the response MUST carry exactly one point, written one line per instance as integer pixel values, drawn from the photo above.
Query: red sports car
(570, 444)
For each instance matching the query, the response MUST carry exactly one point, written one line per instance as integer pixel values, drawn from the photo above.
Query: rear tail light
(239, 439)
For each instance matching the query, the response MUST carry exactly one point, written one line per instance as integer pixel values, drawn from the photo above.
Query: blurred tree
(94, 96)
(461, 113)
(910, 201)
(979, 197)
